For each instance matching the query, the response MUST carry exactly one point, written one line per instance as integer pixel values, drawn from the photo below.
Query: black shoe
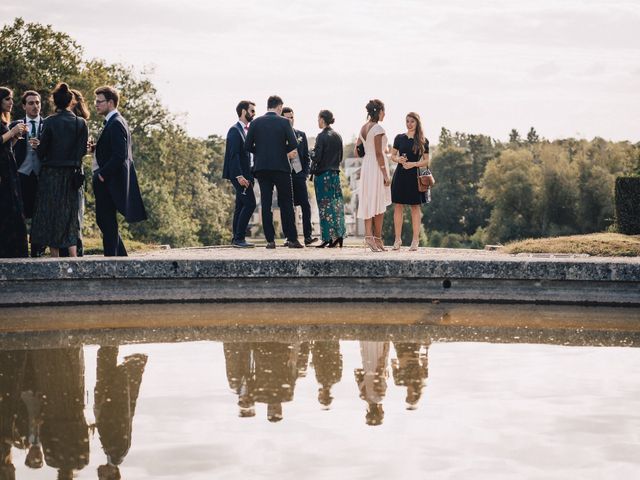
(324, 244)
(295, 244)
(286, 243)
(310, 240)
(336, 242)
(271, 245)
(242, 244)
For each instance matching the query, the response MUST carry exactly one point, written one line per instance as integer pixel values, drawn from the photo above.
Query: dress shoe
(295, 244)
(324, 244)
(271, 245)
(310, 240)
(286, 243)
(336, 243)
(242, 244)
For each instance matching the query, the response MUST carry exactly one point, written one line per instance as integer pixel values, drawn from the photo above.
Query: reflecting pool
(319, 391)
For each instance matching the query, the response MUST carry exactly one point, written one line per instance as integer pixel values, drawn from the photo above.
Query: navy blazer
(237, 161)
(20, 147)
(115, 162)
(270, 138)
(303, 151)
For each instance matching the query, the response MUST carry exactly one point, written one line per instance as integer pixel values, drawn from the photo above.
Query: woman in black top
(62, 145)
(13, 231)
(410, 152)
(327, 156)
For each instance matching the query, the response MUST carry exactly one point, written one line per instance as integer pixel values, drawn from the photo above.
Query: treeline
(488, 191)
(180, 176)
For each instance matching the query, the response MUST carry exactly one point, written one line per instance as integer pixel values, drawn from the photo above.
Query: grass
(93, 246)
(595, 244)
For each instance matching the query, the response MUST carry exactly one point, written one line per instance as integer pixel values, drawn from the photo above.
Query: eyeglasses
(98, 102)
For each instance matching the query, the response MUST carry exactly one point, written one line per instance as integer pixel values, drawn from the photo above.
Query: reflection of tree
(327, 362)
(372, 379)
(116, 395)
(59, 375)
(410, 369)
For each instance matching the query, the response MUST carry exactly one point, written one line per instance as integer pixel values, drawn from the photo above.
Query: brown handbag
(425, 180)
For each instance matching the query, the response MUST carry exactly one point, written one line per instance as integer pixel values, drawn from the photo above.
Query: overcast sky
(569, 68)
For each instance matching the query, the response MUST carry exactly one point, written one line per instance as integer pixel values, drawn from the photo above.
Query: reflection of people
(372, 378)
(64, 433)
(239, 364)
(327, 362)
(10, 372)
(116, 394)
(410, 369)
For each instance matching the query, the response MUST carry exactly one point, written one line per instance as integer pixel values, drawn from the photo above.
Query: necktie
(33, 128)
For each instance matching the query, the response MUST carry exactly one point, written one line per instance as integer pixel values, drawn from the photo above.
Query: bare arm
(377, 141)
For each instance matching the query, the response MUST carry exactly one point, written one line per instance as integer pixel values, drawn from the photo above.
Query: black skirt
(404, 187)
(55, 219)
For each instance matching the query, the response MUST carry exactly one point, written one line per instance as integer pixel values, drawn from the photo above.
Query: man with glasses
(27, 158)
(115, 183)
(237, 169)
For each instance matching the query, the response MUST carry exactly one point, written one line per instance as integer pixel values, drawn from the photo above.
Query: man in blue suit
(271, 140)
(237, 169)
(299, 174)
(115, 183)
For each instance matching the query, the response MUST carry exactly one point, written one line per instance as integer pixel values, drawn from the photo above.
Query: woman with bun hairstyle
(410, 152)
(375, 194)
(327, 157)
(13, 231)
(62, 145)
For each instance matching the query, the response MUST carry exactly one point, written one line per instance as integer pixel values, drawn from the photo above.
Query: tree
(514, 137)
(532, 136)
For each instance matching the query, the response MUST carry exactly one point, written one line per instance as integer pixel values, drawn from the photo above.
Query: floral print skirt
(330, 205)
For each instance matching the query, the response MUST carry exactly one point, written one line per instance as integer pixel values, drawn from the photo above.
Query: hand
(243, 181)
(34, 142)
(101, 178)
(18, 130)
(387, 182)
(408, 165)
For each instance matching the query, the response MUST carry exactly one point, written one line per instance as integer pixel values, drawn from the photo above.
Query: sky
(569, 68)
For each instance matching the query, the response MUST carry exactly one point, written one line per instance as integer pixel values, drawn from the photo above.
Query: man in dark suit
(299, 174)
(27, 158)
(115, 183)
(271, 140)
(237, 169)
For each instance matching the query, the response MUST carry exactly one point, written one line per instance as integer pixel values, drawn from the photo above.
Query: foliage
(597, 244)
(180, 176)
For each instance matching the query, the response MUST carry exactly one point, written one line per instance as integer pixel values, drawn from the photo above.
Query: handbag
(360, 150)
(425, 180)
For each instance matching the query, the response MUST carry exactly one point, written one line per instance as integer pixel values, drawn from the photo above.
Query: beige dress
(374, 196)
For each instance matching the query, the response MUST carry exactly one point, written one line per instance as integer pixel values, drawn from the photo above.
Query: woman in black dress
(13, 231)
(62, 145)
(410, 152)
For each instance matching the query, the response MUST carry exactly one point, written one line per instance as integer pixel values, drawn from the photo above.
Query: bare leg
(368, 227)
(397, 222)
(73, 251)
(416, 218)
(54, 252)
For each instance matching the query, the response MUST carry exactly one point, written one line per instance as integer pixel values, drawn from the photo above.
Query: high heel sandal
(379, 243)
(324, 244)
(337, 242)
(397, 244)
(414, 245)
(371, 243)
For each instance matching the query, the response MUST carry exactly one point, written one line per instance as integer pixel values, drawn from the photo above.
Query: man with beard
(237, 169)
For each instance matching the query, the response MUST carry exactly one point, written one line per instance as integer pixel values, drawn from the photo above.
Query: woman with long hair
(375, 194)
(13, 230)
(62, 145)
(410, 152)
(327, 157)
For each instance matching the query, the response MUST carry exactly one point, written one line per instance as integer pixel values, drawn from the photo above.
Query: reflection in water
(327, 362)
(372, 379)
(410, 369)
(116, 394)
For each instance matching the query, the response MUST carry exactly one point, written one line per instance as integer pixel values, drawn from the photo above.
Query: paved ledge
(349, 274)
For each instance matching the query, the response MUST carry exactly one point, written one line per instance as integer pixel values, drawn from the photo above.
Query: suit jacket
(237, 161)
(20, 147)
(115, 162)
(270, 138)
(303, 151)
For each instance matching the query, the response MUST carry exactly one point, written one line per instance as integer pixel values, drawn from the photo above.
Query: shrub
(627, 197)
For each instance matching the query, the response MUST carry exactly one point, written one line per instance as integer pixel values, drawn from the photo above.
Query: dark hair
(29, 93)
(418, 138)
(274, 101)
(80, 108)
(327, 116)
(4, 93)
(62, 96)
(243, 105)
(374, 107)
(287, 110)
(109, 93)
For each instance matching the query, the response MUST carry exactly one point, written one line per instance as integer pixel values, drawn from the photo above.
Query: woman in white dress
(374, 186)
